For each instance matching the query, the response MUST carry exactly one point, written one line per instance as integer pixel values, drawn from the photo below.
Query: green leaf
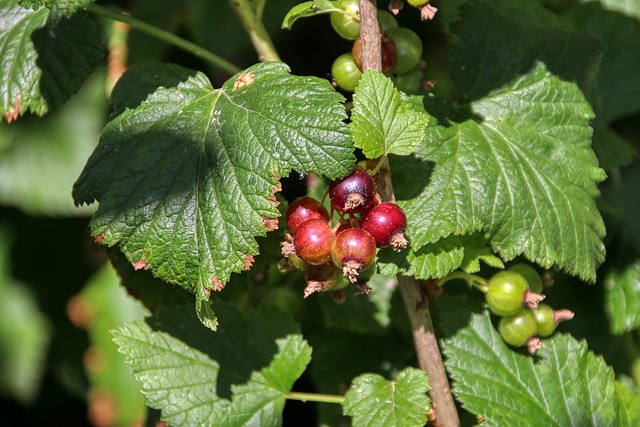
(186, 179)
(567, 385)
(436, 260)
(623, 298)
(629, 404)
(261, 401)
(521, 171)
(43, 63)
(382, 122)
(24, 334)
(309, 8)
(109, 377)
(374, 401)
(40, 158)
(192, 373)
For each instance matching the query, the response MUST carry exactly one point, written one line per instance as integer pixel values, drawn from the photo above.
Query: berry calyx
(506, 293)
(386, 222)
(303, 209)
(353, 250)
(347, 25)
(313, 241)
(354, 193)
(530, 274)
(518, 328)
(389, 58)
(320, 278)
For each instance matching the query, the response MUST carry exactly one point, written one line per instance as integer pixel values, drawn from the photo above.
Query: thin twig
(416, 304)
(259, 37)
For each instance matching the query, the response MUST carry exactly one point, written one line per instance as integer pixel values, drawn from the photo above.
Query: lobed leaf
(382, 122)
(44, 58)
(374, 401)
(186, 178)
(566, 386)
(193, 374)
(623, 298)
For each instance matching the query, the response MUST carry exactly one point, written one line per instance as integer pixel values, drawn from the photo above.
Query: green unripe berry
(505, 295)
(530, 274)
(347, 25)
(387, 21)
(345, 72)
(518, 328)
(546, 320)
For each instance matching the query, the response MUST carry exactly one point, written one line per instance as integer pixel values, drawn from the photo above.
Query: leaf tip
(140, 264)
(270, 223)
(13, 114)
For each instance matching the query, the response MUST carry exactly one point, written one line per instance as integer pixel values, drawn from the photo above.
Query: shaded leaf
(629, 404)
(374, 401)
(382, 122)
(186, 179)
(43, 63)
(623, 298)
(307, 9)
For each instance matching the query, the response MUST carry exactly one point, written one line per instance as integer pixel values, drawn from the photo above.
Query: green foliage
(36, 78)
(236, 376)
(483, 367)
(200, 176)
(504, 159)
(24, 333)
(374, 401)
(381, 122)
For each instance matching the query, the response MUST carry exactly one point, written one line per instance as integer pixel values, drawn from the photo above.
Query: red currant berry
(388, 54)
(530, 274)
(303, 209)
(518, 328)
(313, 241)
(386, 223)
(353, 250)
(506, 293)
(355, 193)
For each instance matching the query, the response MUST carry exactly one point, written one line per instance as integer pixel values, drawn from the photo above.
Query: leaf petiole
(315, 397)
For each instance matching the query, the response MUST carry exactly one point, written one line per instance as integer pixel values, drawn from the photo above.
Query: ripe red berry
(303, 209)
(313, 241)
(386, 222)
(388, 53)
(353, 249)
(353, 194)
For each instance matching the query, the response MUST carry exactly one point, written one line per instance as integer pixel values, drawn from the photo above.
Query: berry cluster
(515, 295)
(401, 50)
(323, 250)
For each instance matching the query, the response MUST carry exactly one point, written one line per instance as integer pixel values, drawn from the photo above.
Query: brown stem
(370, 36)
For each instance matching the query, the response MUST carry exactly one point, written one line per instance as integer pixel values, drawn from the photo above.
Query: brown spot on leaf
(217, 284)
(13, 115)
(248, 261)
(244, 79)
(139, 265)
(100, 239)
(270, 223)
(277, 188)
(79, 311)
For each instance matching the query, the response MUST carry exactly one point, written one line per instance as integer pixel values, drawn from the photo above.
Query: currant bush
(353, 250)
(518, 328)
(345, 72)
(303, 209)
(347, 25)
(506, 293)
(354, 193)
(408, 49)
(313, 241)
(386, 222)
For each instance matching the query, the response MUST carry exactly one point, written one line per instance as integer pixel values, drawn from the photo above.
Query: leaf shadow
(413, 178)
(243, 343)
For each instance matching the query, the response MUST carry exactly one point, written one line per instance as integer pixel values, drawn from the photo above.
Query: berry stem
(259, 37)
(478, 282)
(381, 162)
(166, 36)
